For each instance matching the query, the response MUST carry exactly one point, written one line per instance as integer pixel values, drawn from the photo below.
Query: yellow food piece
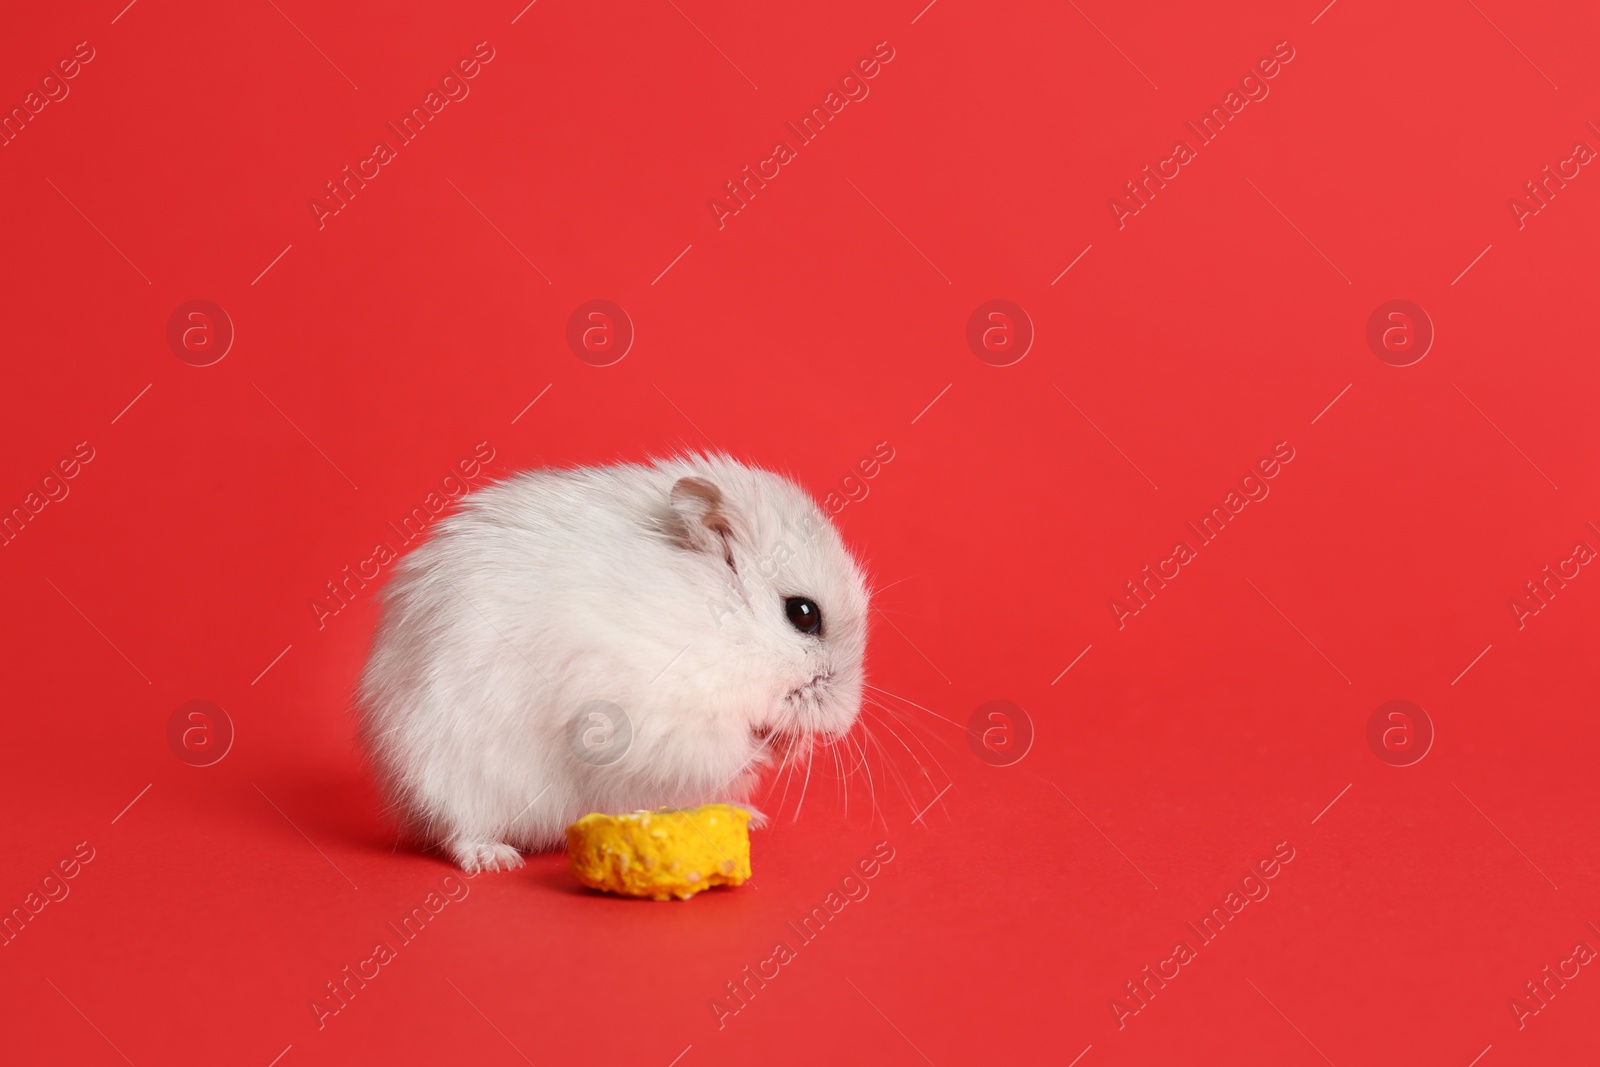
(661, 854)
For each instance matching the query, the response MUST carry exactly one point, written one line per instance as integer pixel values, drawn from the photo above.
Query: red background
(377, 351)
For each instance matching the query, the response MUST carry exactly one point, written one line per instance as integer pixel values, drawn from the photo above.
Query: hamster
(607, 639)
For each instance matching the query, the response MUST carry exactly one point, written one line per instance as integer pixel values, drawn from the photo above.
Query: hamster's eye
(804, 615)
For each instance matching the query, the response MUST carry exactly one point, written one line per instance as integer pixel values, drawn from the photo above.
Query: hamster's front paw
(758, 820)
(475, 856)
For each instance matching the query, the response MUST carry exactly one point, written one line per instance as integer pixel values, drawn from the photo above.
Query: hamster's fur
(606, 639)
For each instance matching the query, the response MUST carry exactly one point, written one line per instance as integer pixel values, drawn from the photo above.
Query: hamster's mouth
(771, 739)
(811, 688)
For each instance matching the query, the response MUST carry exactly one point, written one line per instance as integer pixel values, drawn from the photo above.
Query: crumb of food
(661, 854)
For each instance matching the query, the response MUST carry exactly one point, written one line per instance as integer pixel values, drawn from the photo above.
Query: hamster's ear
(698, 519)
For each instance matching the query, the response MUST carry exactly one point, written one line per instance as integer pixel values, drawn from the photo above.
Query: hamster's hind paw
(475, 856)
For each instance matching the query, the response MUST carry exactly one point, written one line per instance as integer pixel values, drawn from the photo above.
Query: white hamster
(607, 639)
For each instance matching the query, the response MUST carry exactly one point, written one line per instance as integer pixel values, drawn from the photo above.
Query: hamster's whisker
(913, 703)
(917, 728)
(844, 778)
(811, 749)
(872, 788)
(917, 732)
(906, 699)
(787, 770)
(894, 770)
(848, 739)
(883, 722)
(832, 752)
(879, 590)
(920, 765)
(911, 727)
